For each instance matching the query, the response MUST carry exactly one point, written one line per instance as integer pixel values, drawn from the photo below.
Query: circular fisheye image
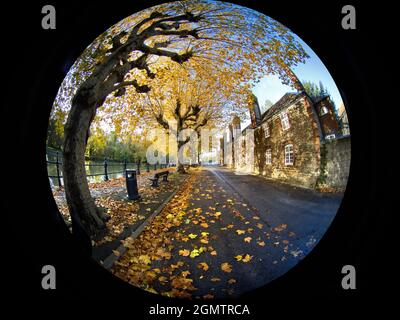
(198, 149)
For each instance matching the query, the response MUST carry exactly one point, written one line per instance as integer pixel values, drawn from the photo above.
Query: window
(268, 156)
(324, 110)
(284, 121)
(289, 155)
(330, 136)
(266, 130)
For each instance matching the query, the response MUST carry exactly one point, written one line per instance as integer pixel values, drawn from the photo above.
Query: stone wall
(335, 163)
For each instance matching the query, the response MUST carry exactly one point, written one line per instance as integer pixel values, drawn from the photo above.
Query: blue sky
(271, 88)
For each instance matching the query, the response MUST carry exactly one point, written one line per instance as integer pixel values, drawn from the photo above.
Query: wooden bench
(157, 176)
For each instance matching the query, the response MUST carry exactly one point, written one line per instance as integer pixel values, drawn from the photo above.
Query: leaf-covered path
(210, 242)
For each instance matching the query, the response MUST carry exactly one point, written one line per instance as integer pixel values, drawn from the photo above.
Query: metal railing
(106, 164)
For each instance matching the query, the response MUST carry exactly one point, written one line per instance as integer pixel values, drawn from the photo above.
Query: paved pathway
(258, 229)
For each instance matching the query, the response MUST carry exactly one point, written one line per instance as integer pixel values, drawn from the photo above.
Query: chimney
(255, 113)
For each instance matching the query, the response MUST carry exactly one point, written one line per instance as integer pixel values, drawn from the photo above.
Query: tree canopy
(222, 53)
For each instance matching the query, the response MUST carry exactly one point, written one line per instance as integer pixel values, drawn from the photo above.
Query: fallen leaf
(232, 281)
(280, 228)
(203, 265)
(226, 267)
(248, 239)
(185, 273)
(150, 289)
(194, 253)
(247, 258)
(184, 252)
(192, 236)
(239, 232)
(144, 259)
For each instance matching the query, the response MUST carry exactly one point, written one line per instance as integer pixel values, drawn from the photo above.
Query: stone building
(287, 141)
(343, 120)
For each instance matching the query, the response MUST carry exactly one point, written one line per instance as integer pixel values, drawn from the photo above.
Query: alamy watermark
(49, 18)
(49, 278)
(349, 18)
(349, 280)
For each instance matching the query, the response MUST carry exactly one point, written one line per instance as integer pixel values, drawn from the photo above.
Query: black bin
(131, 185)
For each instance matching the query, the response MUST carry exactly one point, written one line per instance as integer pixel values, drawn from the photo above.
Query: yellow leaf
(192, 236)
(185, 273)
(226, 267)
(248, 239)
(203, 265)
(247, 258)
(150, 289)
(261, 243)
(144, 259)
(239, 232)
(184, 252)
(194, 253)
(238, 257)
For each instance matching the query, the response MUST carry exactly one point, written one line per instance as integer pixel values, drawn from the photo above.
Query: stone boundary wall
(335, 163)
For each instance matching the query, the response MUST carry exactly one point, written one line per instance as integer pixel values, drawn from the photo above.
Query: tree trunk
(179, 166)
(82, 207)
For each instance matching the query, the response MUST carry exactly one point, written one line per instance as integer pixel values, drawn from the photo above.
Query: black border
(36, 67)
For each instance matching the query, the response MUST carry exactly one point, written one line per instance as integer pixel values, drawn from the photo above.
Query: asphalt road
(307, 213)
(269, 227)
